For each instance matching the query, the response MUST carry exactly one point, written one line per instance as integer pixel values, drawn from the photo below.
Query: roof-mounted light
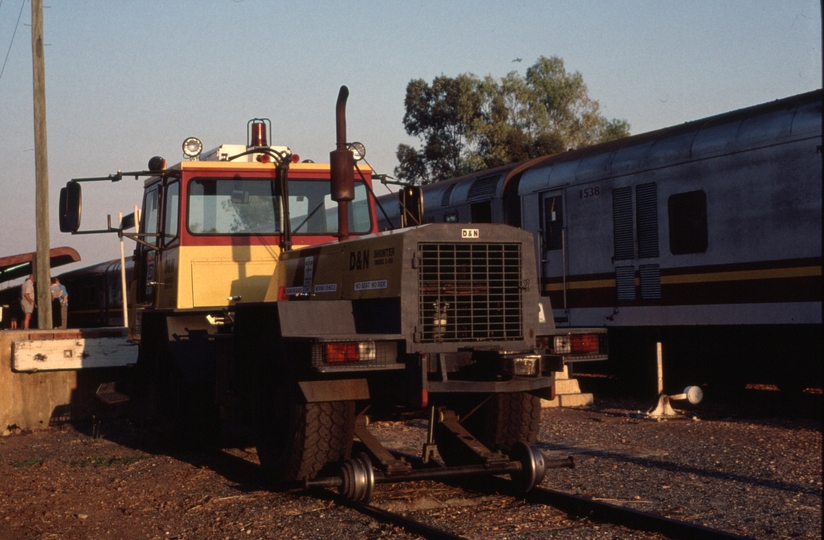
(192, 147)
(256, 132)
(358, 150)
(157, 164)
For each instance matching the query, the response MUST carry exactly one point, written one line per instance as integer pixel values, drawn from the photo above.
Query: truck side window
(145, 263)
(170, 213)
(150, 215)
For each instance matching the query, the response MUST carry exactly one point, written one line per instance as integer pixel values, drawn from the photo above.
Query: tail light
(576, 344)
(363, 351)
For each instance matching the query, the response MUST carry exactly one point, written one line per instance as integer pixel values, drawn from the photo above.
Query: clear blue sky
(129, 80)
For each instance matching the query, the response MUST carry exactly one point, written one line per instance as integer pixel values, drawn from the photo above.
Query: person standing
(64, 306)
(27, 300)
(60, 299)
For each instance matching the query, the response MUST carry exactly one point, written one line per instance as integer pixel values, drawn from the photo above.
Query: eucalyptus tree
(468, 123)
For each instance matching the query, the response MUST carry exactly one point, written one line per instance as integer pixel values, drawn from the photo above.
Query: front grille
(469, 292)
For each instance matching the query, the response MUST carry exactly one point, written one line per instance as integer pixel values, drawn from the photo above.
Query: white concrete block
(76, 353)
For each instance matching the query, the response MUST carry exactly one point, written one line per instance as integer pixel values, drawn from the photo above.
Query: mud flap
(342, 390)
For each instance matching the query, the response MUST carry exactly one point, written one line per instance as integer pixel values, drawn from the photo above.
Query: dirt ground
(755, 476)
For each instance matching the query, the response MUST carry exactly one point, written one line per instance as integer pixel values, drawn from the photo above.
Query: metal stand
(663, 410)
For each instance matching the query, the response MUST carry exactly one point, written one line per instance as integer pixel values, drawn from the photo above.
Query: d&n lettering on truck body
(264, 292)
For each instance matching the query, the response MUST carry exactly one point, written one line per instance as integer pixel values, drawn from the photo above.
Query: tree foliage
(467, 123)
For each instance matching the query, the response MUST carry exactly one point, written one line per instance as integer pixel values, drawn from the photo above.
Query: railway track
(642, 521)
(597, 511)
(526, 467)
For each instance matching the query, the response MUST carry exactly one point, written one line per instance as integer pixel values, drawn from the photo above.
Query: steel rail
(571, 504)
(354, 491)
(633, 519)
(411, 525)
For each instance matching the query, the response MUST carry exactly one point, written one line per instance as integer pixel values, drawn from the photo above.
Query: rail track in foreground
(594, 510)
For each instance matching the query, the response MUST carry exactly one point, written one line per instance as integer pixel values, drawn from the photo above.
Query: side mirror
(127, 222)
(70, 207)
(411, 199)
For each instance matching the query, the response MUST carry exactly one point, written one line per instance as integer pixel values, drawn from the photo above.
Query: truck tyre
(296, 440)
(502, 421)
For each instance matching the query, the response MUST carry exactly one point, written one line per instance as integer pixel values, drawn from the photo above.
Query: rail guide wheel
(358, 479)
(533, 466)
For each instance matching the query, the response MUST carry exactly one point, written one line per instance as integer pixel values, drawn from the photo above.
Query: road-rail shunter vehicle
(264, 292)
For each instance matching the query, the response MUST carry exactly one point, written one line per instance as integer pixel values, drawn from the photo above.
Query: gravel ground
(753, 477)
(747, 470)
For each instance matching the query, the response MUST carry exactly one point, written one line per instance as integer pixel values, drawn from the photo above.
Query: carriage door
(554, 250)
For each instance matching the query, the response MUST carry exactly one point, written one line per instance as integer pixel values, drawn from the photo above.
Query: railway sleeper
(526, 465)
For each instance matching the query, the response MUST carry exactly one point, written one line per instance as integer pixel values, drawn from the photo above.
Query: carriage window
(688, 222)
(481, 212)
(553, 223)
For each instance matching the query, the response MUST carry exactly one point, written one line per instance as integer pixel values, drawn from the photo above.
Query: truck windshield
(233, 206)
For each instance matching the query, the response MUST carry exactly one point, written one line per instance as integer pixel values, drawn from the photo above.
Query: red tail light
(341, 352)
(583, 343)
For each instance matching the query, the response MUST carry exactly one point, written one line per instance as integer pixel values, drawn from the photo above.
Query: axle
(357, 477)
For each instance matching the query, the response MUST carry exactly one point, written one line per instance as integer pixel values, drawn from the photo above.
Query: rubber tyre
(296, 440)
(502, 421)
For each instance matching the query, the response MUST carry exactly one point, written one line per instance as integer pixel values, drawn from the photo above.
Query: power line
(22, 5)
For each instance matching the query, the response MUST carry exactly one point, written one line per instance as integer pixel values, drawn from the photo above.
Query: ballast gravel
(755, 473)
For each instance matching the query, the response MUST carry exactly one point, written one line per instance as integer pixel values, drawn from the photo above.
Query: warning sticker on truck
(326, 287)
(370, 285)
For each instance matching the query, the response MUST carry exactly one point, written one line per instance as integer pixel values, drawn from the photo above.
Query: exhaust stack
(342, 163)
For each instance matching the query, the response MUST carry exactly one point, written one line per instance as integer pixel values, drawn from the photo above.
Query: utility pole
(41, 169)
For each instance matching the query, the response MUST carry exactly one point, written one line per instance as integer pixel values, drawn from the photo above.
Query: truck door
(147, 254)
(554, 249)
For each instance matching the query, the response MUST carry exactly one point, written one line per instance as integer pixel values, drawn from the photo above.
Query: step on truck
(264, 293)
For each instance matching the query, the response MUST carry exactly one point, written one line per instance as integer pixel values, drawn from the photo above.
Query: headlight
(192, 147)
(524, 366)
(358, 150)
